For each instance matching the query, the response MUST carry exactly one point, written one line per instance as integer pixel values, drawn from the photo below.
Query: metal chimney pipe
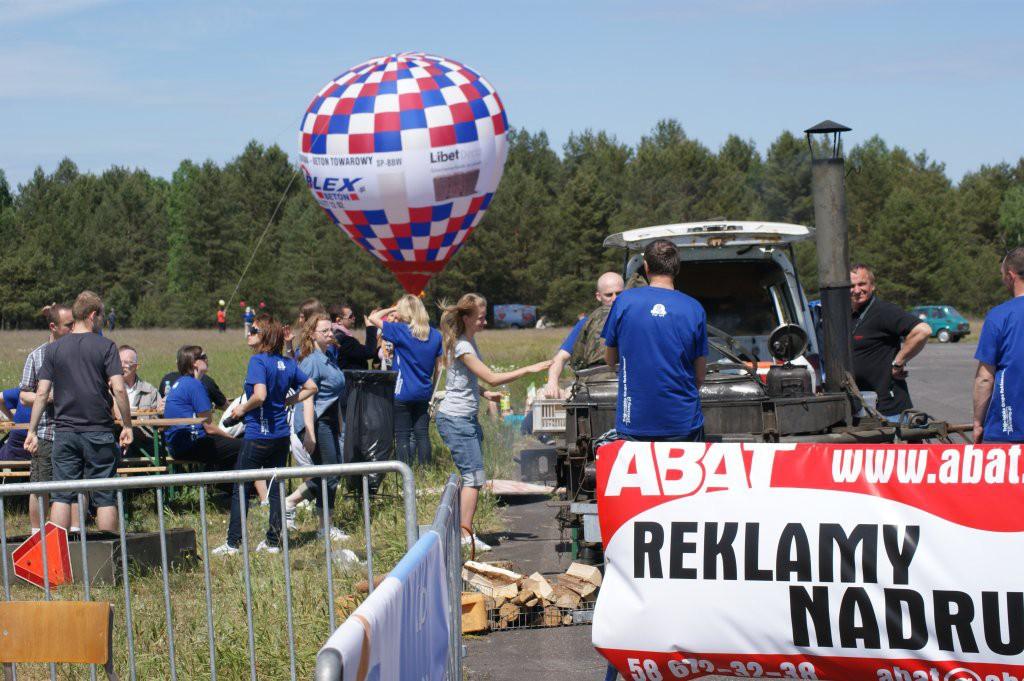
(832, 239)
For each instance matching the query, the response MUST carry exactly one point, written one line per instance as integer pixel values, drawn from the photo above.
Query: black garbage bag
(369, 419)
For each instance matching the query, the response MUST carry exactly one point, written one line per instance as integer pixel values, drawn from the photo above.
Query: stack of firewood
(512, 596)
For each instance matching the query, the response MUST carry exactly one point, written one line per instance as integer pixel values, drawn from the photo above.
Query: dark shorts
(41, 468)
(84, 456)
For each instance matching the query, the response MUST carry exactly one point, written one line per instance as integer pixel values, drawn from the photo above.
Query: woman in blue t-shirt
(14, 446)
(186, 398)
(318, 421)
(417, 349)
(268, 380)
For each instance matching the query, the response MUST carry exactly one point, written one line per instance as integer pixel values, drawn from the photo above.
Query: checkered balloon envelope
(404, 153)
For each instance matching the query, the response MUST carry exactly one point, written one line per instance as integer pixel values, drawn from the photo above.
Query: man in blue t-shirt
(999, 380)
(609, 286)
(658, 337)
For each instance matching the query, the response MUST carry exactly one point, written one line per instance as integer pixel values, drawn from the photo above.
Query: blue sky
(147, 84)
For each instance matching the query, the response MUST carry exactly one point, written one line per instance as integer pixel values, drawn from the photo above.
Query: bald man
(609, 286)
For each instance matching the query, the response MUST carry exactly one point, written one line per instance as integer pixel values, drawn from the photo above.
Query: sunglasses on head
(253, 331)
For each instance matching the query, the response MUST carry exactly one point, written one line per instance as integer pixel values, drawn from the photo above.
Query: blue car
(948, 325)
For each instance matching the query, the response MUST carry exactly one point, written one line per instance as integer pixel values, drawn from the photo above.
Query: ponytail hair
(453, 321)
(51, 313)
(410, 310)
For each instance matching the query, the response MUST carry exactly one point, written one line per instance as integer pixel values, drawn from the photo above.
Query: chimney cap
(826, 127)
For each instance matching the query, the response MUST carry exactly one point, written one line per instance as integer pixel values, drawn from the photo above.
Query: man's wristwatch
(899, 365)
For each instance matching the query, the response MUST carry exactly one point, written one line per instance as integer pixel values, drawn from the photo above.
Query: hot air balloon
(404, 154)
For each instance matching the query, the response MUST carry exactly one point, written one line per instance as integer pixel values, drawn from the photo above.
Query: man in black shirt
(84, 370)
(351, 353)
(885, 338)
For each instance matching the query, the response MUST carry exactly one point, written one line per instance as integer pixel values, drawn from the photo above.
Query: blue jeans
(259, 454)
(325, 454)
(412, 431)
(464, 437)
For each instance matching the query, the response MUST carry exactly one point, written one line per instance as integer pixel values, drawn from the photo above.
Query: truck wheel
(943, 336)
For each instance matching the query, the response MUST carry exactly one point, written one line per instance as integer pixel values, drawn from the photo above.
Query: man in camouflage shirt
(583, 345)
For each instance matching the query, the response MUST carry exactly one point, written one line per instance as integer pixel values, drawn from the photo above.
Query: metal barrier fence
(446, 526)
(160, 483)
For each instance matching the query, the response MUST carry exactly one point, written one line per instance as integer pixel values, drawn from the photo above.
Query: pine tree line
(163, 252)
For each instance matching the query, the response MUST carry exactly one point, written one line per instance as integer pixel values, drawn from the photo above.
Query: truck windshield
(742, 298)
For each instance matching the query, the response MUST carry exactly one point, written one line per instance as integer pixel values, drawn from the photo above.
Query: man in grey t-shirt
(83, 369)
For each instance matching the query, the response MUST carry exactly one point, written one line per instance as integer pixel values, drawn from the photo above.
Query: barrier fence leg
(11, 668)
(46, 568)
(366, 528)
(457, 570)
(326, 524)
(248, 583)
(167, 588)
(82, 501)
(282, 497)
(206, 582)
(128, 626)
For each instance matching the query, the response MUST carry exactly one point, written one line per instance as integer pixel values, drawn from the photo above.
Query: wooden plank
(492, 572)
(490, 588)
(539, 586)
(162, 423)
(588, 573)
(55, 631)
(15, 474)
(584, 589)
(16, 464)
(137, 470)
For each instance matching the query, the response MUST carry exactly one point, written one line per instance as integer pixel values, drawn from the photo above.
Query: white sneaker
(264, 547)
(337, 535)
(289, 518)
(224, 549)
(479, 544)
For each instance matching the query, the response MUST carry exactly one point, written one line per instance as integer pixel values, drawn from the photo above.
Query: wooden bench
(18, 471)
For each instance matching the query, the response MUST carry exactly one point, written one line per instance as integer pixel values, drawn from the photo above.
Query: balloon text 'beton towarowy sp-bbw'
(404, 154)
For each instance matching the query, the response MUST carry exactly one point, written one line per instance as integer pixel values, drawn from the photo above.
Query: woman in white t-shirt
(457, 420)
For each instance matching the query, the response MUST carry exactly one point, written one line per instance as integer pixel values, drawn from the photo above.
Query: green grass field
(228, 357)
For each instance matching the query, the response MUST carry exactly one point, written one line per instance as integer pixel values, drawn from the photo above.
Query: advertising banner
(812, 561)
(401, 630)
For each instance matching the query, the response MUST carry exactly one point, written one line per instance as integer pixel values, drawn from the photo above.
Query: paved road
(940, 384)
(941, 379)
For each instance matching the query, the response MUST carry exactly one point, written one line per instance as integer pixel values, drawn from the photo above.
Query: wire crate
(534, 617)
(548, 416)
